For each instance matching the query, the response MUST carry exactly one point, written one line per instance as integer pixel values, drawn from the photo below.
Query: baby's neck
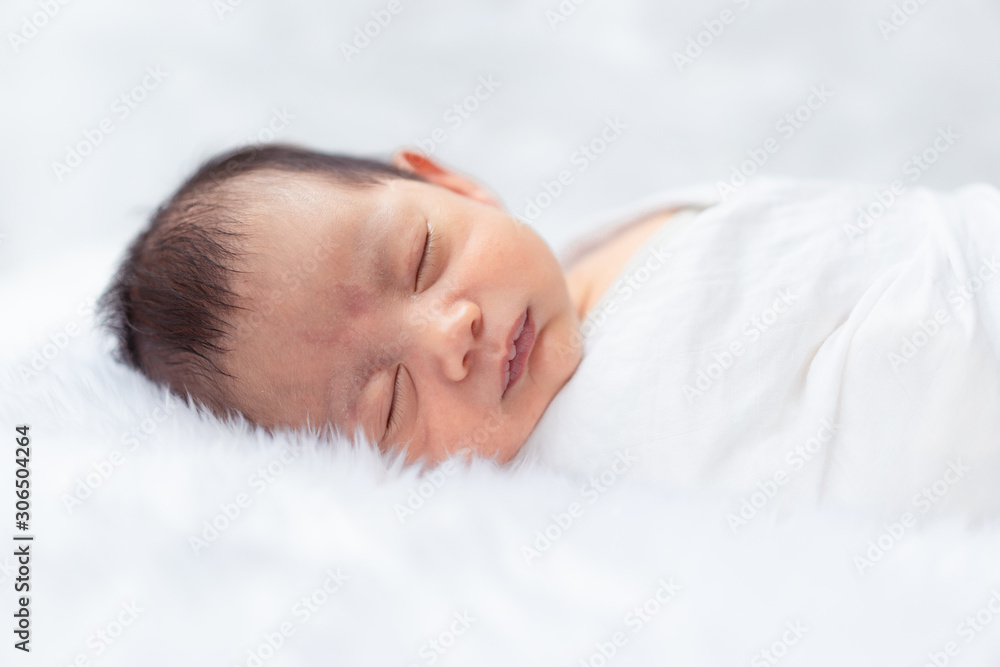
(590, 276)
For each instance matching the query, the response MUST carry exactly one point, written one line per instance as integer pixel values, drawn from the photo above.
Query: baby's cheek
(485, 435)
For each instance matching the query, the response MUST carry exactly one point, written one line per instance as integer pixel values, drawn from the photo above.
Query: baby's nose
(452, 337)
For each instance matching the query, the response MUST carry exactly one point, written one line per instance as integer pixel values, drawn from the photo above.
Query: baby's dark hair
(171, 303)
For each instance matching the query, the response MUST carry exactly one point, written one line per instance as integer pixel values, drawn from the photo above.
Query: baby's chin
(499, 438)
(505, 455)
(501, 456)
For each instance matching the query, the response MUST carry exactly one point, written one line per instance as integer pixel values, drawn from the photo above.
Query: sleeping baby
(401, 301)
(826, 338)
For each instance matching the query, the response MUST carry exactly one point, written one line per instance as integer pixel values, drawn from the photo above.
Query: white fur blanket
(164, 537)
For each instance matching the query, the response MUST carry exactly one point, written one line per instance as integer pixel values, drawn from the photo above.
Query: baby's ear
(417, 163)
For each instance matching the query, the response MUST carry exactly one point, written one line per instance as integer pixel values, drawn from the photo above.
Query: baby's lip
(519, 343)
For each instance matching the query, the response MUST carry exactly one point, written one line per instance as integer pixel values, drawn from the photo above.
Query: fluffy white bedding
(325, 559)
(801, 342)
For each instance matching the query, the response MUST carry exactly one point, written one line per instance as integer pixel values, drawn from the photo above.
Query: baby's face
(395, 309)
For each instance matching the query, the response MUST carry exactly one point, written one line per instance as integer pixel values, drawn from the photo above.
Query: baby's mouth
(522, 341)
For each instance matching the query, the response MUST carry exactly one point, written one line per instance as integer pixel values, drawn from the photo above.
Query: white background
(227, 71)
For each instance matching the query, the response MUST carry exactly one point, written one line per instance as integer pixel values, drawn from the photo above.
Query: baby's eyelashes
(427, 257)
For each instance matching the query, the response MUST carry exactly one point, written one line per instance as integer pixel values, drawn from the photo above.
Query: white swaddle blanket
(801, 343)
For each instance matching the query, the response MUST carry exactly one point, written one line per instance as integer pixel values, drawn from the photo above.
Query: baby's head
(300, 288)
